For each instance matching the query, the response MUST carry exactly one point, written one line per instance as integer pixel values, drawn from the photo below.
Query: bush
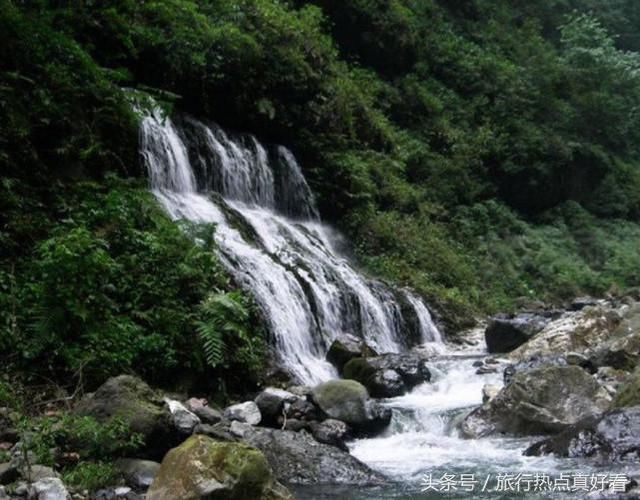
(91, 476)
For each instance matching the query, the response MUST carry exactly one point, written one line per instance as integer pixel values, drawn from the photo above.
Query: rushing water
(271, 239)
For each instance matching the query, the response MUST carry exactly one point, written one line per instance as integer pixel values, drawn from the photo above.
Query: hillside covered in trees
(479, 151)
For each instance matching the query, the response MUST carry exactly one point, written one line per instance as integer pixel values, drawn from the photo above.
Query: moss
(629, 393)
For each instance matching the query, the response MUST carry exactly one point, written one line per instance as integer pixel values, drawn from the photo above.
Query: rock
(295, 425)
(388, 375)
(247, 412)
(301, 409)
(531, 364)
(3, 494)
(489, 392)
(50, 488)
(346, 348)
(348, 400)
(540, 401)
(120, 493)
(331, 431)
(8, 473)
(613, 437)
(138, 474)
(36, 473)
(183, 420)
(130, 399)
(271, 403)
(301, 391)
(505, 333)
(629, 393)
(201, 468)
(219, 431)
(297, 458)
(577, 332)
(581, 360)
(581, 302)
(205, 413)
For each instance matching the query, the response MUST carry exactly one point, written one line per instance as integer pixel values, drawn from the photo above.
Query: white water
(271, 239)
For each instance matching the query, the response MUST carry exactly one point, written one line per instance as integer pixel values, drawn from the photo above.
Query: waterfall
(270, 237)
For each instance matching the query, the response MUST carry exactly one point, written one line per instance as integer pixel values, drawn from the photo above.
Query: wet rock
(205, 413)
(611, 438)
(346, 348)
(133, 401)
(293, 424)
(138, 474)
(201, 468)
(297, 458)
(531, 364)
(301, 391)
(120, 493)
(331, 431)
(50, 488)
(506, 333)
(389, 375)
(348, 400)
(247, 412)
(540, 401)
(272, 403)
(301, 409)
(182, 419)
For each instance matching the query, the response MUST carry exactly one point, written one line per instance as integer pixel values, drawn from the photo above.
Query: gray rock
(219, 431)
(389, 375)
(301, 409)
(138, 474)
(247, 412)
(348, 400)
(36, 473)
(297, 458)
(613, 437)
(3, 494)
(581, 302)
(346, 348)
(183, 420)
(120, 493)
(203, 411)
(295, 425)
(50, 488)
(489, 392)
(272, 403)
(505, 333)
(540, 401)
(331, 431)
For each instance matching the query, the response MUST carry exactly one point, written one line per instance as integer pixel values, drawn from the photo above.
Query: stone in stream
(247, 412)
(273, 402)
(540, 401)
(201, 468)
(347, 347)
(506, 333)
(389, 375)
(297, 458)
(613, 437)
(349, 401)
(331, 431)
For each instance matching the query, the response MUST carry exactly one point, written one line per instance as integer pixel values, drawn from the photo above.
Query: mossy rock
(629, 393)
(344, 400)
(131, 400)
(202, 468)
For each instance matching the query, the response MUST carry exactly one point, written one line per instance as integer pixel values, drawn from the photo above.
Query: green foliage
(91, 476)
(226, 335)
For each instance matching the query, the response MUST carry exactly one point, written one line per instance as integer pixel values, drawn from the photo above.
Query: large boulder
(506, 333)
(349, 401)
(629, 393)
(389, 375)
(346, 348)
(130, 399)
(540, 401)
(611, 438)
(331, 431)
(201, 468)
(297, 458)
(273, 402)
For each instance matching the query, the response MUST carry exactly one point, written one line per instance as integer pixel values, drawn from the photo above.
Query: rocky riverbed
(559, 391)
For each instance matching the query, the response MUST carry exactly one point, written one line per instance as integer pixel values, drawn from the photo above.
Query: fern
(225, 317)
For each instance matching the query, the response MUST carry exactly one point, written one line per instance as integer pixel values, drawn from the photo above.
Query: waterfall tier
(270, 237)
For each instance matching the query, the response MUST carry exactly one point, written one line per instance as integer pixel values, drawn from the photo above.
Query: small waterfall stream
(271, 239)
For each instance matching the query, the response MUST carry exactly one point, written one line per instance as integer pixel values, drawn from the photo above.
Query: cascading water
(270, 237)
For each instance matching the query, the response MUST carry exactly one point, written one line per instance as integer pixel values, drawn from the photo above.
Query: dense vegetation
(477, 150)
